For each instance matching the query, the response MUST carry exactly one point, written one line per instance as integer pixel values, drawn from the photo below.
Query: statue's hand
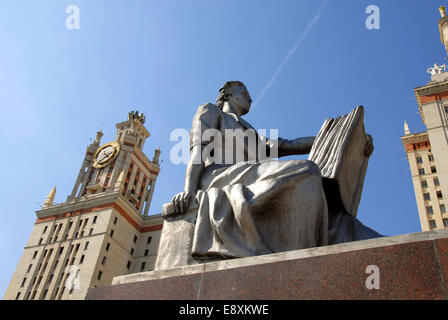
(368, 150)
(181, 201)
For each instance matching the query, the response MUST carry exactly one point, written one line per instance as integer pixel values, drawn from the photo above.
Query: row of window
(430, 158)
(421, 171)
(427, 196)
(433, 225)
(430, 210)
(425, 183)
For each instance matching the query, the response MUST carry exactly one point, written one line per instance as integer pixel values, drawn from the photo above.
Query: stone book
(339, 151)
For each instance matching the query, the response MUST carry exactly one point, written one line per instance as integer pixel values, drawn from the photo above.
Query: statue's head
(236, 94)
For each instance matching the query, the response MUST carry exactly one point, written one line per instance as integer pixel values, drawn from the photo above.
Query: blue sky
(165, 58)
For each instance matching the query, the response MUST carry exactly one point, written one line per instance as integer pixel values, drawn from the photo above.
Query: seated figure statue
(247, 208)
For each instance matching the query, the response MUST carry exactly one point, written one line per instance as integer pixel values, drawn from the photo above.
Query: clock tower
(103, 230)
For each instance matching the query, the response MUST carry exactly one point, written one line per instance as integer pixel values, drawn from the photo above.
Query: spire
(406, 129)
(99, 135)
(156, 155)
(49, 201)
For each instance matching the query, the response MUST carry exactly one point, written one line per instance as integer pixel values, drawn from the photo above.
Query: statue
(233, 209)
(436, 69)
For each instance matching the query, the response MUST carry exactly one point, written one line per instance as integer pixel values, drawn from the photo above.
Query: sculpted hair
(226, 91)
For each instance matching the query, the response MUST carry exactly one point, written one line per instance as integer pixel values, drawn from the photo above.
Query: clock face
(105, 154)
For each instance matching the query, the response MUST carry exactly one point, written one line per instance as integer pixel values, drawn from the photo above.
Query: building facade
(103, 230)
(427, 152)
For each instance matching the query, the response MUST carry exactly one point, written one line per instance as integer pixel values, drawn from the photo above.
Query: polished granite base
(411, 266)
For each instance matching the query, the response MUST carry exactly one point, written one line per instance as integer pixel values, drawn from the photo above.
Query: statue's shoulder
(209, 107)
(208, 110)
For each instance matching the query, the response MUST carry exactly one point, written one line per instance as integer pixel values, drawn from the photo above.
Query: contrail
(291, 51)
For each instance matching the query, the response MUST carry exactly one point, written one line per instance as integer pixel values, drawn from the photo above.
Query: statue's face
(241, 99)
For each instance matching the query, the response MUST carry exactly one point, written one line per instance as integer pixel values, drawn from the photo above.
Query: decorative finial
(135, 115)
(49, 201)
(442, 11)
(406, 129)
(157, 153)
(99, 135)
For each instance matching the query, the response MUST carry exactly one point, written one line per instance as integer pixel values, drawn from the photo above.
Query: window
(439, 195)
(76, 235)
(426, 196)
(436, 182)
(66, 236)
(70, 224)
(430, 157)
(112, 233)
(82, 259)
(446, 112)
(128, 266)
(103, 261)
(45, 229)
(29, 268)
(45, 293)
(132, 251)
(55, 264)
(146, 252)
(94, 219)
(135, 239)
(40, 240)
(50, 278)
(115, 220)
(433, 169)
(429, 210)
(35, 254)
(61, 249)
(85, 222)
(107, 246)
(100, 273)
(23, 282)
(90, 232)
(82, 233)
(432, 224)
(424, 184)
(445, 222)
(149, 240)
(143, 266)
(421, 171)
(77, 247)
(419, 160)
(18, 296)
(86, 246)
(442, 208)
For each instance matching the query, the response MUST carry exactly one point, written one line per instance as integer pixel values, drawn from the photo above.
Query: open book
(339, 151)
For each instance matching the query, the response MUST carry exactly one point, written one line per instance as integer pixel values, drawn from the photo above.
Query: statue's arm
(295, 146)
(206, 117)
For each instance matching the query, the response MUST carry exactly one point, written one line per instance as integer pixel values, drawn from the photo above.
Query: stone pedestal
(412, 266)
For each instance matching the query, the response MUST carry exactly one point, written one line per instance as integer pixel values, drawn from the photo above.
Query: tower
(427, 152)
(103, 230)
